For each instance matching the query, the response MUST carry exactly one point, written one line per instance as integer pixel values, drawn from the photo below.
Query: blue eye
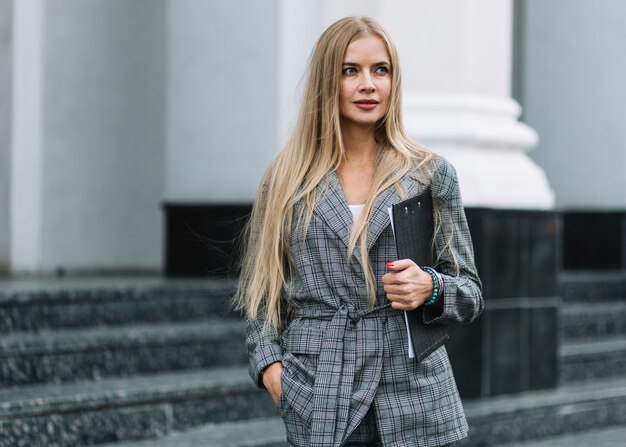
(382, 69)
(349, 71)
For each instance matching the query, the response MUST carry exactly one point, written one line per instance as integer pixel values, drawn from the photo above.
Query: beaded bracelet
(435, 277)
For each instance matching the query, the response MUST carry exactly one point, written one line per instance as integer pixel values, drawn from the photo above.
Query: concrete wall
(222, 92)
(6, 12)
(573, 91)
(103, 134)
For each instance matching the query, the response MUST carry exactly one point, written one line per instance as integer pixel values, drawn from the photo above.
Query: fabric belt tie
(333, 386)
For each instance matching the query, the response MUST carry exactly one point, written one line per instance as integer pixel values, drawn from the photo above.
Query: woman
(325, 332)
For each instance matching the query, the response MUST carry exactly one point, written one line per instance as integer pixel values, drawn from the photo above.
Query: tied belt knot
(353, 315)
(356, 315)
(334, 409)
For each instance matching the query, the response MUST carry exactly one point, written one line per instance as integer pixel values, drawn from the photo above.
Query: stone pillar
(87, 136)
(26, 143)
(457, 57)
(6, 42)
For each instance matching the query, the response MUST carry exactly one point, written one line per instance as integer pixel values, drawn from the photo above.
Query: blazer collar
(332, 207)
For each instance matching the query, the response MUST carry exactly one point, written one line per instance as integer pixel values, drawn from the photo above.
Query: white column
(457, 57)
(87, 136)
(6, 88)
(27, 130)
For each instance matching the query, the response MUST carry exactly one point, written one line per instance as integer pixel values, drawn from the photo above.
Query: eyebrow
(354, 64)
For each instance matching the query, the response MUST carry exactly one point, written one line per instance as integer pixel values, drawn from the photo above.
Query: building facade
(113, 112)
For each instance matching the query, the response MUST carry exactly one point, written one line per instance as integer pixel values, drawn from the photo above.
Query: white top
(356, 211)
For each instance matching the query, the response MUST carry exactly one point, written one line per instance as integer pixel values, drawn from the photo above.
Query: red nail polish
(389, 264)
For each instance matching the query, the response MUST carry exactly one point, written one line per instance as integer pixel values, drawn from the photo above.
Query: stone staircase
(591, 364)
(151, 362)
(93, 362)
(593, 327)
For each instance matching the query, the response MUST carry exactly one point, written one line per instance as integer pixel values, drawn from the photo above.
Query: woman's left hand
(407, 286)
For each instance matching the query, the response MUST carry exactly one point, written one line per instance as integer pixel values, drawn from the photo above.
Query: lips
(366, 104)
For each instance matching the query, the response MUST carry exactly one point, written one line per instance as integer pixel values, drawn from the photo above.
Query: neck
(360, 144)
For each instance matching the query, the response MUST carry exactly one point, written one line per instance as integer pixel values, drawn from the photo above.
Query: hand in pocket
(272, 380)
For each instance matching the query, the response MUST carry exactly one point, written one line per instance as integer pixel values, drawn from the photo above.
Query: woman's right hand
(272, 380)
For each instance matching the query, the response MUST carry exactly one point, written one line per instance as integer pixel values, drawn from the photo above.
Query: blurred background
(133, 134)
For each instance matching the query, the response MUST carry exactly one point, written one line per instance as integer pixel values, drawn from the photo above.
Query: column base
(482, 138)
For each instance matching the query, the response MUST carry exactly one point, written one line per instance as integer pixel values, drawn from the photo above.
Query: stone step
(538, 414)
(493, 421)
(586, 287)
(592, 320)
(583, 361)
(265, 432)
(31, 305)
(602, 437)
(78, 354)
(112, 410)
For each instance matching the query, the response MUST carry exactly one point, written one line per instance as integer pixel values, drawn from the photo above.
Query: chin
(364, 122)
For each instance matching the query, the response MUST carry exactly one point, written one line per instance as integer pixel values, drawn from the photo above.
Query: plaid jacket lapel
(332, 207)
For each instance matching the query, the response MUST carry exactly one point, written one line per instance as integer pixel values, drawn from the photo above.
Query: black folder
(413, 226)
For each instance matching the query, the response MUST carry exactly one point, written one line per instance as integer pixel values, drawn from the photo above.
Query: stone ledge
(122, 409)
(590, 347)
(48, 304)
(37, 400)
(534, 415)
(592, 360)
(592, 320)
(532, 400)
(85, 428)
(592, 286)
(85, 288)
(58, 356)
(604, 437)
(267, 432)
(114, 337)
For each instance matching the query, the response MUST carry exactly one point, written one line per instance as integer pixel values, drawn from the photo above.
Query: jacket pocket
(300, 339)
(301, 346)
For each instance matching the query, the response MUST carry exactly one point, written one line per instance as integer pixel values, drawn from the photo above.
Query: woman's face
(365, 82)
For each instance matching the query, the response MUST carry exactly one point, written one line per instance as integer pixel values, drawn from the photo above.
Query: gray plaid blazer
(339, 359)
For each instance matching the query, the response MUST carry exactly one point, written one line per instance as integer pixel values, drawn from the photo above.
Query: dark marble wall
(203, 240)
(512, 346)
(594, 240)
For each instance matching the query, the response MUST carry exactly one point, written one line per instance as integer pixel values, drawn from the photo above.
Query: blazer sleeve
(462, 298)
(262, 350)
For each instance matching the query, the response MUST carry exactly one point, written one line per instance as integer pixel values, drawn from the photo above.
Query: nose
(367, 83)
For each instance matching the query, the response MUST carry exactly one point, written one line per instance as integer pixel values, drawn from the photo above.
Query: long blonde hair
(315, 148)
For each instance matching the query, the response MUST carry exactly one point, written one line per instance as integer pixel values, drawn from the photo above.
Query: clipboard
(413, 227)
